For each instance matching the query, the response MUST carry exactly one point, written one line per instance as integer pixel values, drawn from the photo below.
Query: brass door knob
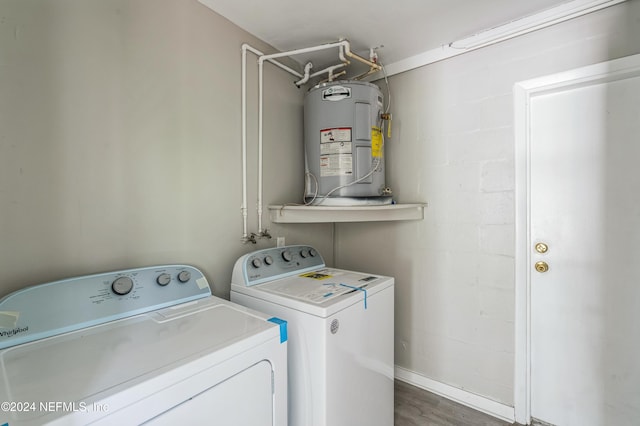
(541, 266)
(541, 248)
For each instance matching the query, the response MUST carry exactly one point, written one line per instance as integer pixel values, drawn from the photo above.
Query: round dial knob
(256, 263)
(304, 253)
(268, 260)
(163, 279)
(122, 285)
(312, 253)
(286, 255)
(184, 276)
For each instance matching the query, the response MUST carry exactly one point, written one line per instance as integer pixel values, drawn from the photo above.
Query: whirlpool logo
(13, 332)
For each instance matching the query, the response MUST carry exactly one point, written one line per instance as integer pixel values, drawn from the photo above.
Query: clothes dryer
(148, 345)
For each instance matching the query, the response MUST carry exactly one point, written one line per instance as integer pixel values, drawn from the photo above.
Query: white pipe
(276, 63)
(342, 57)
(303, 80)
(261, 60)
(304, 50)
(260, 84)
(243, 206)
(344, 48)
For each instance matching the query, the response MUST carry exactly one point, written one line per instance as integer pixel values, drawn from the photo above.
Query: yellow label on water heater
(376, 142)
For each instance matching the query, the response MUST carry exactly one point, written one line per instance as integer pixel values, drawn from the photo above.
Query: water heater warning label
(340, 134)
(336, 165)
(336, 152)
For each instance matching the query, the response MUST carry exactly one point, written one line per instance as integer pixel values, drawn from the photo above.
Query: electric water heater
(344, 144)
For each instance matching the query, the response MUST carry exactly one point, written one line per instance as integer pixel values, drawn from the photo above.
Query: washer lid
(96, 363)
(321, 292)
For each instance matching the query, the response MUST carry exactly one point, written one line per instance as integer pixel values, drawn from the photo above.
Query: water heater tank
(344, 148)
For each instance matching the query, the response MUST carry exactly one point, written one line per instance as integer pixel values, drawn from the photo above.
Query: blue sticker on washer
(283, 328)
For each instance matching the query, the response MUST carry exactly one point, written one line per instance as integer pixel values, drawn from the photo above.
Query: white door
(584, 206)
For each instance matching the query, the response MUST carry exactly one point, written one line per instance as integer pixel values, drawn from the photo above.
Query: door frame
(524, 92)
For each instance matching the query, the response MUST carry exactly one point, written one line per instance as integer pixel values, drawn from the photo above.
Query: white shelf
(321, 214)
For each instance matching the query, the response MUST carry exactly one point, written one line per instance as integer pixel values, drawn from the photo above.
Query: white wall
(453, 147)
(120, 140)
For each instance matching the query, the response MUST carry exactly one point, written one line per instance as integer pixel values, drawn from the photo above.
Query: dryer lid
(96, 363)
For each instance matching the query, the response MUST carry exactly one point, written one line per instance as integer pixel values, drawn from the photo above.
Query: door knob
(541, 266)
(541, 248)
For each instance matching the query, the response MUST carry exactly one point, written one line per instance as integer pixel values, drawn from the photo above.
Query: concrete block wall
(453, 147)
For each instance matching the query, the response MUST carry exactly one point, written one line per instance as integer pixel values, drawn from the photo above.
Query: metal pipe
(347, 51)
(329, 70)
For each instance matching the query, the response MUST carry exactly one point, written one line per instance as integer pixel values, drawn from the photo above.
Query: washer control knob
(256, 263)
(312, 253)
(304, 253)
(286, 255)
(122, 285)
(184, 276)
(268, 260)
(163, 279)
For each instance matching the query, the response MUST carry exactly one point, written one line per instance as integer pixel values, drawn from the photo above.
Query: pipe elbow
(307, 74)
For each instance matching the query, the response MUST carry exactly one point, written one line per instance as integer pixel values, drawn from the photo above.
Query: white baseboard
(477, 402)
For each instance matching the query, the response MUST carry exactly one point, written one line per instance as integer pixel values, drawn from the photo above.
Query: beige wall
(453, 147)
(120, 140)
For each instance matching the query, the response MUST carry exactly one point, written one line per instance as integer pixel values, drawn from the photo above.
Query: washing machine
(340, 334)
(148, 345)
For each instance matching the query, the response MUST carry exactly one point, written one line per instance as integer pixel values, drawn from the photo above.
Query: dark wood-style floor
(418, 407)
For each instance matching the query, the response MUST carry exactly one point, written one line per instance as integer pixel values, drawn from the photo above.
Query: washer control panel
(61, 306)
(273, 263)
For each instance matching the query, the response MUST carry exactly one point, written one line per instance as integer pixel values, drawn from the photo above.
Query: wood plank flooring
(418, 407)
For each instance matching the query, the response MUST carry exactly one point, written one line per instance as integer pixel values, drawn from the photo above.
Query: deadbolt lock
(542, 266)
(542, 248)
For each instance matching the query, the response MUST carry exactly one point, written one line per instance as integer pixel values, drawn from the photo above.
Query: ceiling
(399, 29)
